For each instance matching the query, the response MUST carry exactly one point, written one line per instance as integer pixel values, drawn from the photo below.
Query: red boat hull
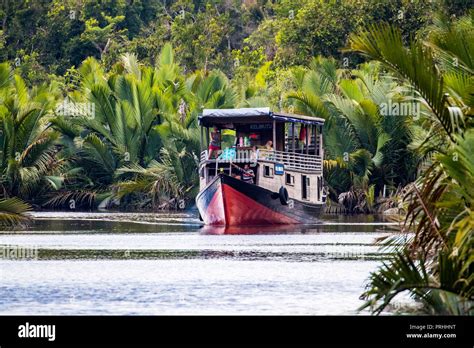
(232, 202)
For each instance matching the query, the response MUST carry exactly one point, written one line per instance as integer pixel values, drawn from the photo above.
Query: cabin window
(289, 179)
(268, 171)
(304, 187)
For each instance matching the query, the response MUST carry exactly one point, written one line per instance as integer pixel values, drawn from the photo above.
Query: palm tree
(27, 143)
(436, 265)
(179, 101)
(145, 124)
(159, 180)
(121, 132)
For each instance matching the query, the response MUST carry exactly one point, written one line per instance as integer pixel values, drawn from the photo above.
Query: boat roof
(210, 117)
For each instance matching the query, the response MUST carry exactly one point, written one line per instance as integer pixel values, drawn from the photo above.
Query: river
(153, 264)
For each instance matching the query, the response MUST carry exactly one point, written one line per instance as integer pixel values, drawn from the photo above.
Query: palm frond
(13, 211)
(308, 104)
(384, 43)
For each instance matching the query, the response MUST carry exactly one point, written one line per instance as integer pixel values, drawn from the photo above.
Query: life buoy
(283, 194)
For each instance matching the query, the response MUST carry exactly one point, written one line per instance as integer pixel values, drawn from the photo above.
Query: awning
(281, 116)
(211, 117)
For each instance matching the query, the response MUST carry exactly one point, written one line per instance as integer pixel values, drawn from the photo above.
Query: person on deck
(247, 173)
(269, 145)
(254, 156)
(215, 144)
(268, 150)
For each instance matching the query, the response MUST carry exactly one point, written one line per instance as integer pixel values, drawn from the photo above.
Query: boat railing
(291, 160)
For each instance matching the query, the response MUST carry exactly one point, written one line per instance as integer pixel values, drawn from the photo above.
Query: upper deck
(260, 135)
(295, 161)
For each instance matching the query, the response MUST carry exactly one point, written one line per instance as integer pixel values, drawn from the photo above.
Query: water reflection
(327, 227)
(274, 229)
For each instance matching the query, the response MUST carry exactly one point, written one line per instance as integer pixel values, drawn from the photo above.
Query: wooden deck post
(274, 135)
(293, 140)
(320, 129)
(307, 141)
(201, 142)
(207, 138)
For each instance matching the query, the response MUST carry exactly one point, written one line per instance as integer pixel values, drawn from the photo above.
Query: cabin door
(304, 187)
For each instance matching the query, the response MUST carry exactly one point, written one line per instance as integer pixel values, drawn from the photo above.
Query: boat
(259, 167)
